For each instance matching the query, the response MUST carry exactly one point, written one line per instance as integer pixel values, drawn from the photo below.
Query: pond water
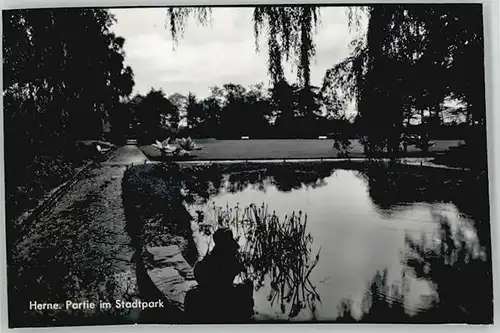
(383, 255)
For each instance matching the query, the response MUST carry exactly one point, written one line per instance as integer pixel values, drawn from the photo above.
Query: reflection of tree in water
(381, 303)
(288, 179)
(472, 198)
(275, 253)
(461, 273)
(196, 182)
(457, 269)
(387, 303)
(392, 186)
(238, 181)
(202, 182)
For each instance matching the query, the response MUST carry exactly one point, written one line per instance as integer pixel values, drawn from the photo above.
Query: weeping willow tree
(381, 75)
(406, 63)
(289, 32)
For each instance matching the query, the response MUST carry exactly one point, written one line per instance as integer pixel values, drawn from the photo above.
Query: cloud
(222, 52)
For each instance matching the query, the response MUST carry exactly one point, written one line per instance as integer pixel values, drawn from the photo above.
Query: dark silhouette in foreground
(216, 299)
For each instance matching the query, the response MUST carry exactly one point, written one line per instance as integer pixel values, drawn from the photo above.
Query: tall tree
(179, 101)
(157, 116)
(409, 61)
(194, 114)
(283, 102)
(70, 83)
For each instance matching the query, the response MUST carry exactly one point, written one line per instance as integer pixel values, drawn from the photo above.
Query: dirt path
(79, 249)
(125, 155)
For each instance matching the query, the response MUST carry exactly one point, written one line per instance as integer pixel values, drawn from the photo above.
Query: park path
(78, 249)
(126, 155)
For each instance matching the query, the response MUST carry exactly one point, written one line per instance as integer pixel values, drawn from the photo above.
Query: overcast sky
(220, 53)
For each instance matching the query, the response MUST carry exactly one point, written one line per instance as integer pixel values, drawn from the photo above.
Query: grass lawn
(278, 149)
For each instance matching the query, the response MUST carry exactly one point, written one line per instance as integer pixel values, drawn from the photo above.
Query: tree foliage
(232, 110)
(70, 77)
(63, 81)
(156, 115)
(410, 60)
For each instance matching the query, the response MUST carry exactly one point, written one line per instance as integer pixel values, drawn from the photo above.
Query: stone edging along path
(172, 276)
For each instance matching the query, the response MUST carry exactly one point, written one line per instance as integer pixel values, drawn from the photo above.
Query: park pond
(370, 244)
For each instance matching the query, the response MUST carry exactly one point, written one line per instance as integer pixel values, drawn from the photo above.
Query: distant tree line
(282, 111)
(232, 111)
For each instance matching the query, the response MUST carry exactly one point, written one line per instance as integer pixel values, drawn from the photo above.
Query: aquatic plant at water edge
(275, 252)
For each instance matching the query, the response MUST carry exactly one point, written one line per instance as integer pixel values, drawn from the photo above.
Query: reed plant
(275, 251)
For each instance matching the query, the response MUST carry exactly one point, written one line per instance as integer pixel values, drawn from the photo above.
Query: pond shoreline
(407, 161)
(157, 183)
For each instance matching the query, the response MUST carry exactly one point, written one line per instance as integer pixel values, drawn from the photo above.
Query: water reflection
(275, 252)
(395, 247)
(203, 182)
(457, 266)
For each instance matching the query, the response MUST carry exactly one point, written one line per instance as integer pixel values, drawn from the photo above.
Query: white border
(491, 15)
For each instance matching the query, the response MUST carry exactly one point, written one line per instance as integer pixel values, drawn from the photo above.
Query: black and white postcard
(246, 164)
